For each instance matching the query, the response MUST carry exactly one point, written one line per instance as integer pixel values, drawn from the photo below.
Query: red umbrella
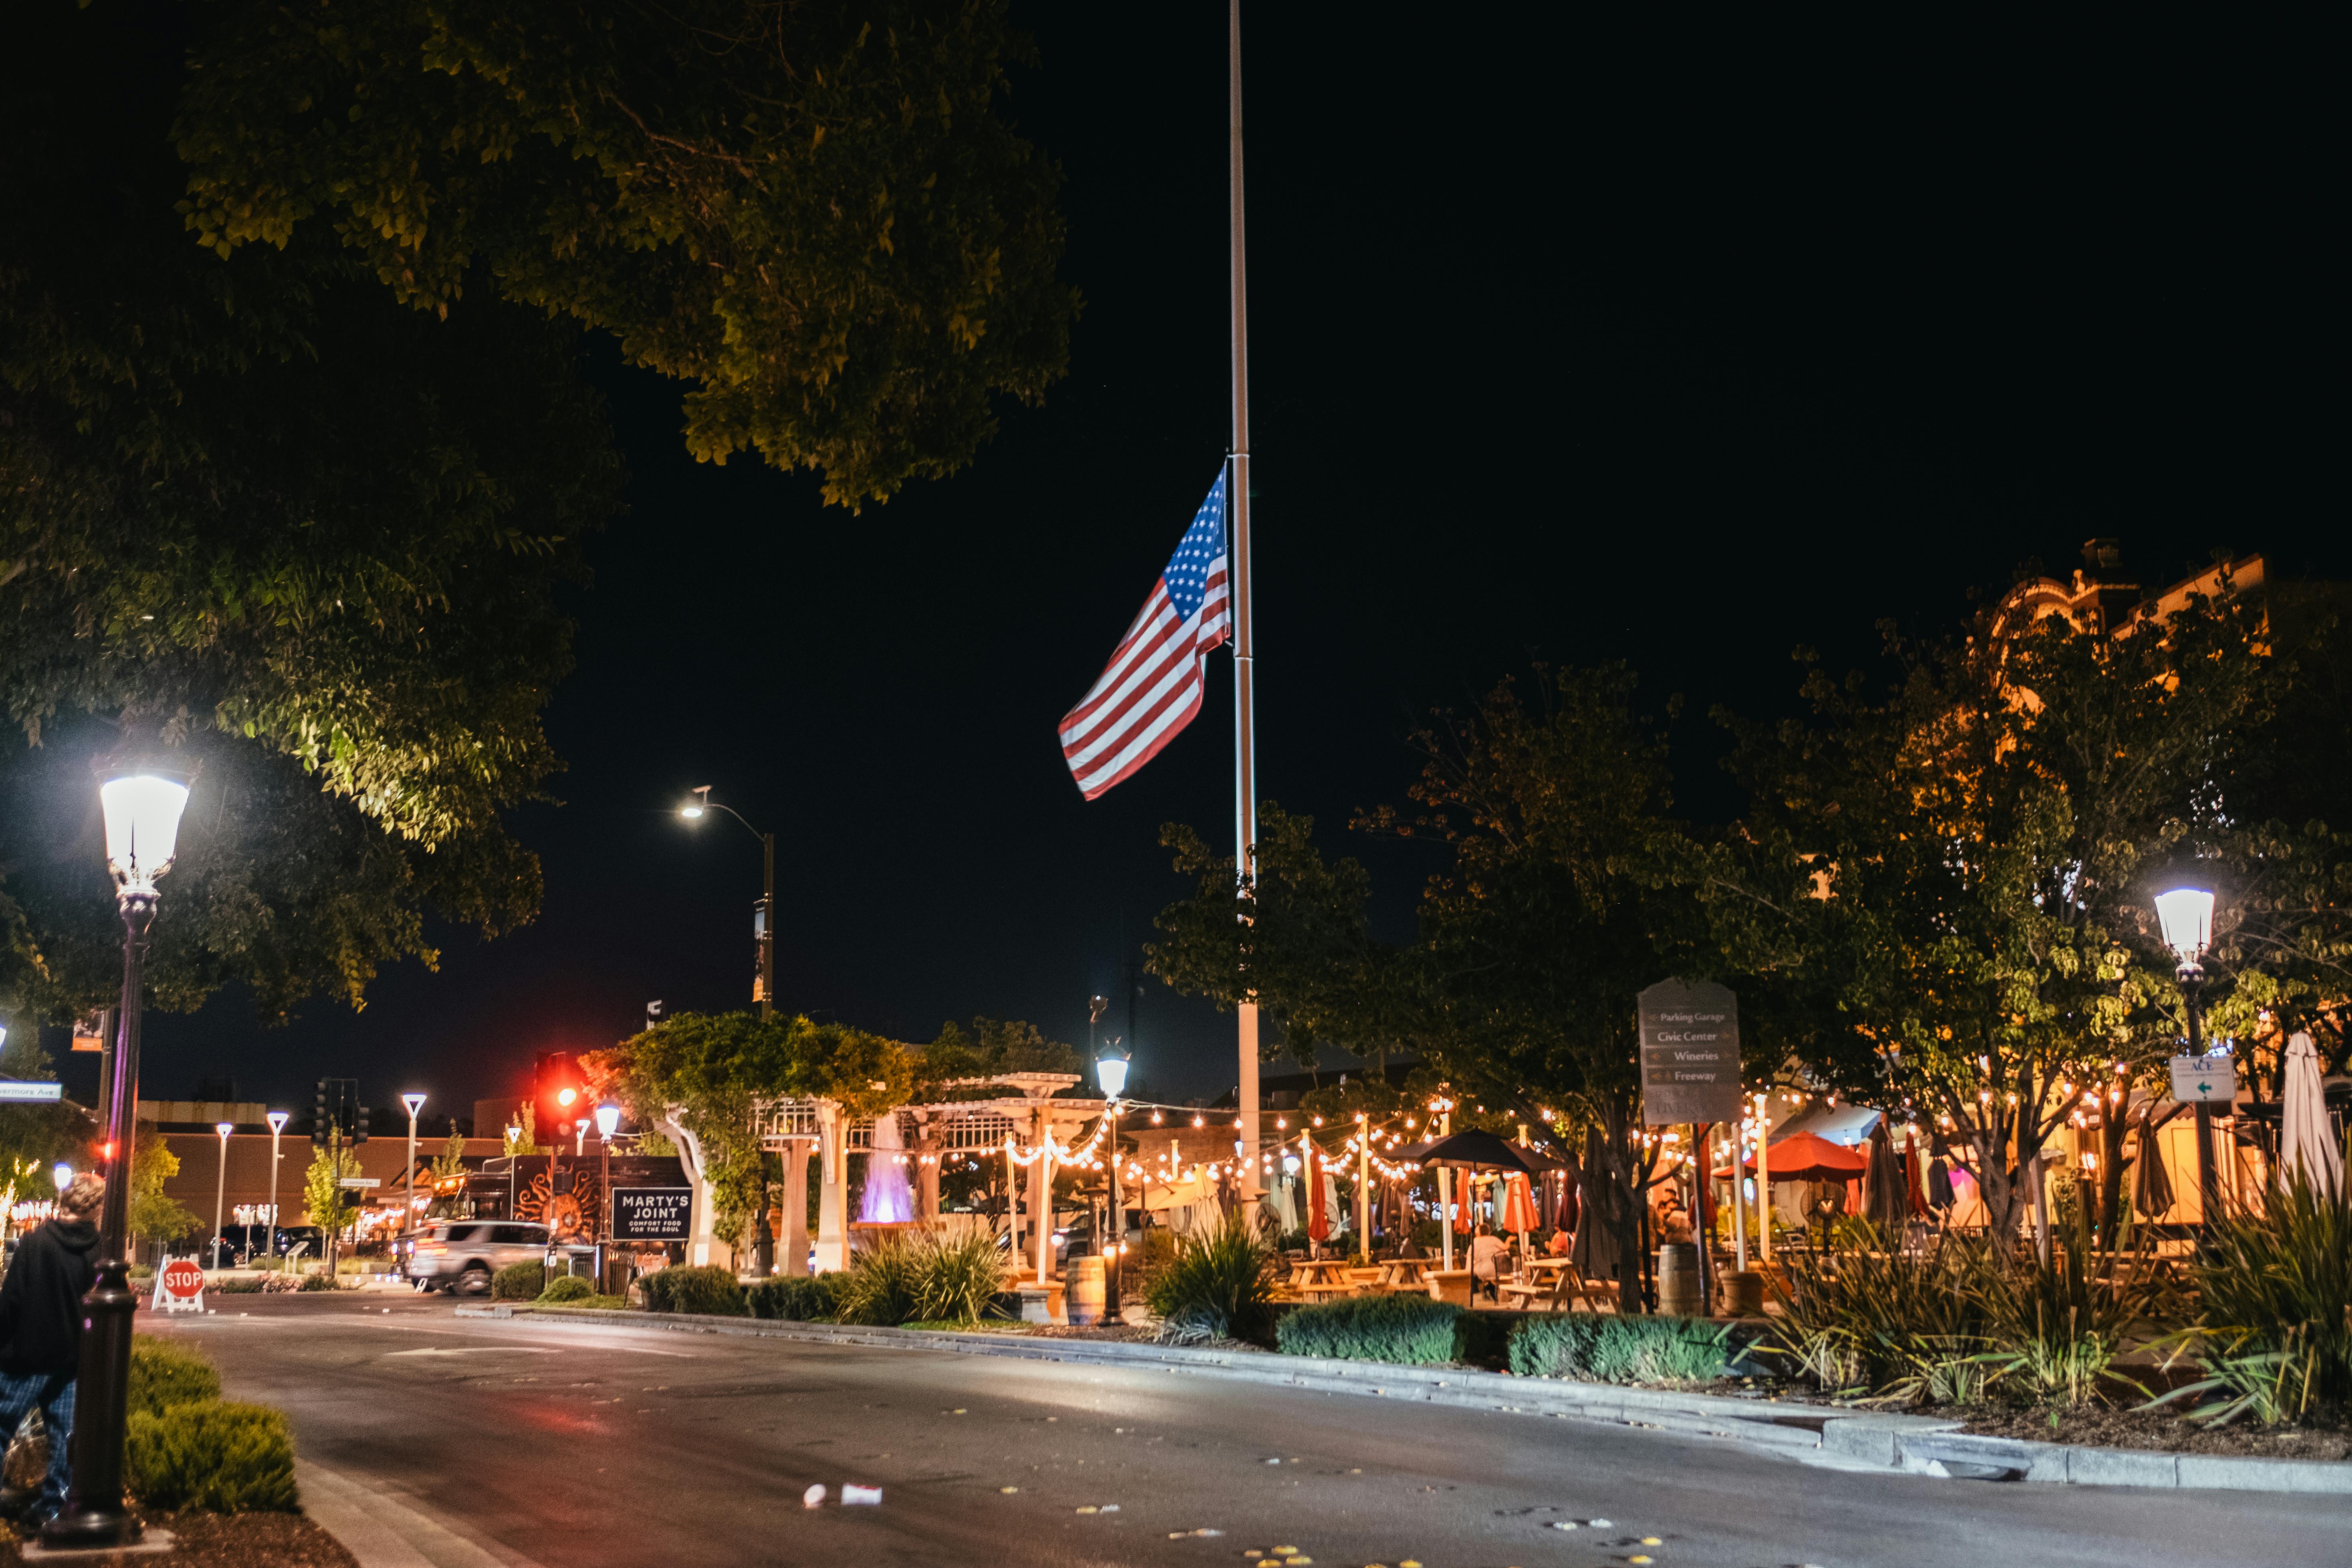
(1803, 1157)
(1518, 1207)
(1318, 1230)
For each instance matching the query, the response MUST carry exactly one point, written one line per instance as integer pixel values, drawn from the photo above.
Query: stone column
(1041, 1207)
(794, 1235)
(833, 1189)
(926, 1171)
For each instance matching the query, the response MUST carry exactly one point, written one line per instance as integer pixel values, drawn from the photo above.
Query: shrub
(164, 1373)
(2057, 1328)
(251, 1286)
(811, 1299)
(884, 1283)
(212, 1455)
(2274, 1337)
(708, 1291)
(1221, 1281)
(315, 1282)
(958, 1278)
(565, 1287)
(1616, 1349)
(1903, 1326)
(515, 1282)
(1412, 1330)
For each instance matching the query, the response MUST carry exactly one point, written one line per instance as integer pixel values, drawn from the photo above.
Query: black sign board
(1690, 1053)
(652, 1214)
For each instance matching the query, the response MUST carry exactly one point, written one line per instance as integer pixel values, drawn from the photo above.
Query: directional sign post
(359, 1182)
(2205, 1080)
(12, 1090)
(1690, 1053)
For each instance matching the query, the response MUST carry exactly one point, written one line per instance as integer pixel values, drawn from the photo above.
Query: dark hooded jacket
(41, 1302)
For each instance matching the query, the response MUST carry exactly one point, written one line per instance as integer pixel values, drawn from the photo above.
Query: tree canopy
(296, 451)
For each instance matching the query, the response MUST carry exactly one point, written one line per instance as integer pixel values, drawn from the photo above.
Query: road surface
(479, 1442)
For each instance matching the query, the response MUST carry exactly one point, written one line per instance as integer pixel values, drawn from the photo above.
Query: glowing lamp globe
(608, 1117)
(62, 1174)
(142, 808)
(1111, 1073)
(2187, 916)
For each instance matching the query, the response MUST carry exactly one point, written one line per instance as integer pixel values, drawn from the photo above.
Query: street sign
(10, 1089)
(361, 1182)
(2205, 1080)
(180, 1286)
(1690, 1053)
(652, 1214)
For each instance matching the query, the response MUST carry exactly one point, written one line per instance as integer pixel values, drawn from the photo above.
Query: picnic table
(1553, 1285)
(1323, 1279)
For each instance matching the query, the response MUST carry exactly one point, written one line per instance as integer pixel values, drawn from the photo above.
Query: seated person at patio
(1671, 1220)
(1563, 1243)
(1487, 1253)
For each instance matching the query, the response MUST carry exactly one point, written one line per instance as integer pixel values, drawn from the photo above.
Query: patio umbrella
(1885, 1201)
(1801, 1157)
(2303, 1139)
(1518, 1207)
(1596, 1253)
(2151, 1184)
(1474, 1150)
(1911, 1178)
(1319, 1226)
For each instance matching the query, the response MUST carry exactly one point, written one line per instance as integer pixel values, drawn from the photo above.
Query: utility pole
(278, 1120)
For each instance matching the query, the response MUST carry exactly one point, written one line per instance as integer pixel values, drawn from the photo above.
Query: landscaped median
(1798, 1428)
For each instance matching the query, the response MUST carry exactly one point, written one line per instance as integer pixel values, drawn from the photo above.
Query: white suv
(461, 1255)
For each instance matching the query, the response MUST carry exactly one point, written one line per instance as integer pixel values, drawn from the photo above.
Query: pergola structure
(796, 1128)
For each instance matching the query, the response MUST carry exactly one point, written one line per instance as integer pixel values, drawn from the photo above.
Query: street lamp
(1110, 1071)
(2186, 916)
(700, 804)
(514, 1153)
(414, 1102)
(277, 1119)
(608, 1117)
(220, 1191)
(143, 807)
(62, 1174)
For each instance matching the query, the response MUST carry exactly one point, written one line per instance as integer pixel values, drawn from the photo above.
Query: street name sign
(11, 1090)
(2205, 1080)
(1690, 1053)
(180, 1286)
(361, 1182)
(652, 1214)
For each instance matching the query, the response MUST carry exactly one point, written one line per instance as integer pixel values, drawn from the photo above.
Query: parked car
(461, 1255)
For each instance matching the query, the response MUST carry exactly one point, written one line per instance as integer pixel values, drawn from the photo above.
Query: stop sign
(182, 1279)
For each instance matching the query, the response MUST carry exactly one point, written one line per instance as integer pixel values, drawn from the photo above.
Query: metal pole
(270, 1247)
(767, 925)
(1445, 1192)
(604, 1222)
(220, 1200)
(1738, 1199)
(1118, 1215)
(409, 1209)
(95, 1515)
(1244, 641)
(1363, 1189)
(1764, 1178)
(2208, 1187)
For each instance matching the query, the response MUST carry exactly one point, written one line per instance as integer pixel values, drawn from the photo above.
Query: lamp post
(608, 1118)
(220, 1191)
(143, 807)
(1110, 1071)
(2186, 916)
(414, 1102)
(514, 1142)
(698, 806)
(277, 1119)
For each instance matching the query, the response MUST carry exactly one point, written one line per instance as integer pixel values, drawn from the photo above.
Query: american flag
(1151, 686)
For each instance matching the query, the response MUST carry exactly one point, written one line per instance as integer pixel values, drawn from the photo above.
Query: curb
(1902, 1445)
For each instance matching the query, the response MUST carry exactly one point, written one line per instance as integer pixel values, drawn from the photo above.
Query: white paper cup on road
(852, 1495)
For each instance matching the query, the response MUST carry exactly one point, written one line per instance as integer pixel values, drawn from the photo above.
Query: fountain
(889, 1199)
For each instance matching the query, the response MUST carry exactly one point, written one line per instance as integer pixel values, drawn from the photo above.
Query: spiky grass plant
(1224, 1276)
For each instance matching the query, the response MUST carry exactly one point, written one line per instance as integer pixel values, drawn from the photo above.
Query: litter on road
(855, 1496)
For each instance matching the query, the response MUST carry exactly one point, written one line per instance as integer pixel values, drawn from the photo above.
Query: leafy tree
(151, 1213)
(326, 1204)
(450, 1162)
(1983, 844)
(815, 214)
(33, 1137)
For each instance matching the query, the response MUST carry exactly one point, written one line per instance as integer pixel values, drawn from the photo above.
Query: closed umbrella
(1319, 1226)
(2304, 1141)
(1911, 1178)
(1885, 1202)
(1519, 1207)
(1597, 1254)
(2151, 1184)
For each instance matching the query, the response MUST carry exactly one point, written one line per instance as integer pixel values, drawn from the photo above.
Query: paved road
(492, 1442)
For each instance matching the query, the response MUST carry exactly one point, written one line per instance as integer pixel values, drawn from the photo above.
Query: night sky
(1562, 348)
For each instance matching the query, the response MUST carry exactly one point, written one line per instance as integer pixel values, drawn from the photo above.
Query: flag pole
(1245, 693)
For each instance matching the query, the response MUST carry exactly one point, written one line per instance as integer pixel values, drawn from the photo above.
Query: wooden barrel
(1084, 1276)
(1679, 1279)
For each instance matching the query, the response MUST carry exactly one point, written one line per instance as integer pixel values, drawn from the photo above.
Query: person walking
(40, 1332)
